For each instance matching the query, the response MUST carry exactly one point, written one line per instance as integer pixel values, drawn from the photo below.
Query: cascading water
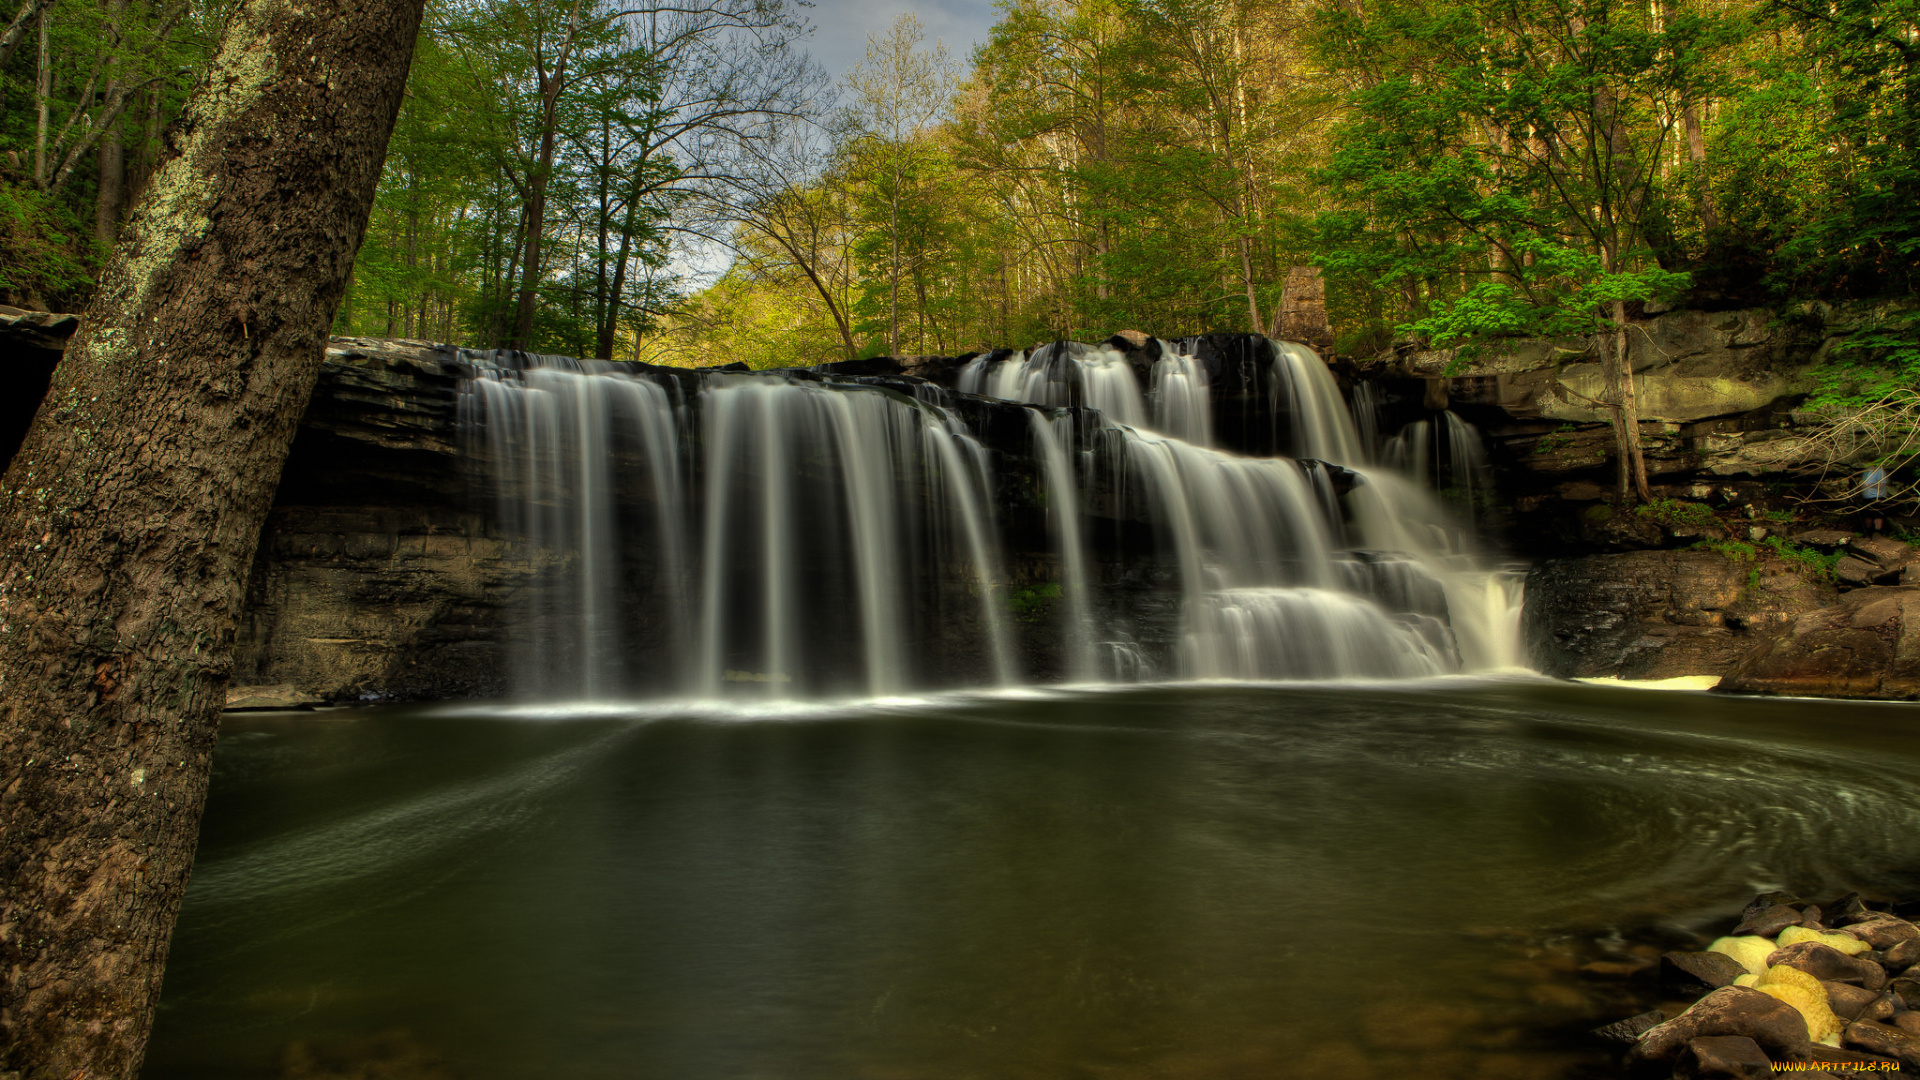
(1447, 454)
(1271, 569)
(798, 533)
(806, 535)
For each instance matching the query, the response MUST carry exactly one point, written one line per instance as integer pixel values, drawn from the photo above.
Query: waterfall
(825, 530)
(1448, 455)
(799, 533)
(1063, 522)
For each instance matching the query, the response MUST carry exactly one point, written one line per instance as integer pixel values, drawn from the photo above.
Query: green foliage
(1030, 603)
(1738, 551)
(1871, 362)
(1678, 515)
(1809, 560)
(1804, 559)
(46, 257)
(1558, 439)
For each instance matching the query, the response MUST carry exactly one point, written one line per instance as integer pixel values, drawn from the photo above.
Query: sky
(841, 27)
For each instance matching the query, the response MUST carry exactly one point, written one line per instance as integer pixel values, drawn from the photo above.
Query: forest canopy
(681, 184)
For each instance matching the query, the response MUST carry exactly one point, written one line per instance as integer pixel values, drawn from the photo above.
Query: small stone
(1750, 951)
(1730, 1010)
(1849, 1001)
(1724, 1057)
(1883, 931)
(1854, 570)
(1824, 539)
(1699, 972)
(1907, 989)
(1829, 964)
(1853, 1059)
(1765, 900)
(1908, 1021)
(1626, 1032)
(1899, 958)
(1770, 922)
(1847, 910)
(1885, 1040)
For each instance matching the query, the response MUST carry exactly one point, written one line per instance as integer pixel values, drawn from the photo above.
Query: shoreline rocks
(1835, 985)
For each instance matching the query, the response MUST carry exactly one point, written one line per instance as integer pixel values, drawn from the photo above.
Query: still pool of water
(1187, 882)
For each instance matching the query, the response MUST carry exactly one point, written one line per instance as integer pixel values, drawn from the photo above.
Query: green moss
(1029, 603)
(1675, 514)
(1818, 564)
(1735, 550)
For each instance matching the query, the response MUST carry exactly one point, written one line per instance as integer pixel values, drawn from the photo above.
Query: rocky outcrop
(1867, 645)
(1719, 394)
(1767, 625)
(31, 343)
(1660, 614)
(376, 577)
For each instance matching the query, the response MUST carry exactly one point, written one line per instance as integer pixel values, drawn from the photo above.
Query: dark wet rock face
(1866, 645)
(1656, 614)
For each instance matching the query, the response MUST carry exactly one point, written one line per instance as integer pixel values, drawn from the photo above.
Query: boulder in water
(1731, 1010)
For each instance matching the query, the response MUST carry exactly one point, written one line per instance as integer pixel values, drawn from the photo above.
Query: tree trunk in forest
(112, 155)
(551, 87)
(1629, 403)
(130, 515)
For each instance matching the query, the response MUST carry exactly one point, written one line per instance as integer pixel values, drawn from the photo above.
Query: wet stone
(1724, 1057)
(1698, 972)
(1627, 1032)
(1898, 957)
(1885, 1040)
(1849, 1002)
(1828, 964)
(1883, 931)
(1731, 1010)
(1769, 922)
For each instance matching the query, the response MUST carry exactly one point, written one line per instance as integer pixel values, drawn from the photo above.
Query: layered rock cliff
(381, 574)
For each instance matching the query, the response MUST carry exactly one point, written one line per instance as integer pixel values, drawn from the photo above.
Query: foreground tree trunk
(130, 515)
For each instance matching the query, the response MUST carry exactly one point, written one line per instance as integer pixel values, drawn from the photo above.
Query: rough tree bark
(129, 516)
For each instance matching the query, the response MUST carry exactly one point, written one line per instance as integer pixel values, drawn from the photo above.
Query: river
(1162, 881)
